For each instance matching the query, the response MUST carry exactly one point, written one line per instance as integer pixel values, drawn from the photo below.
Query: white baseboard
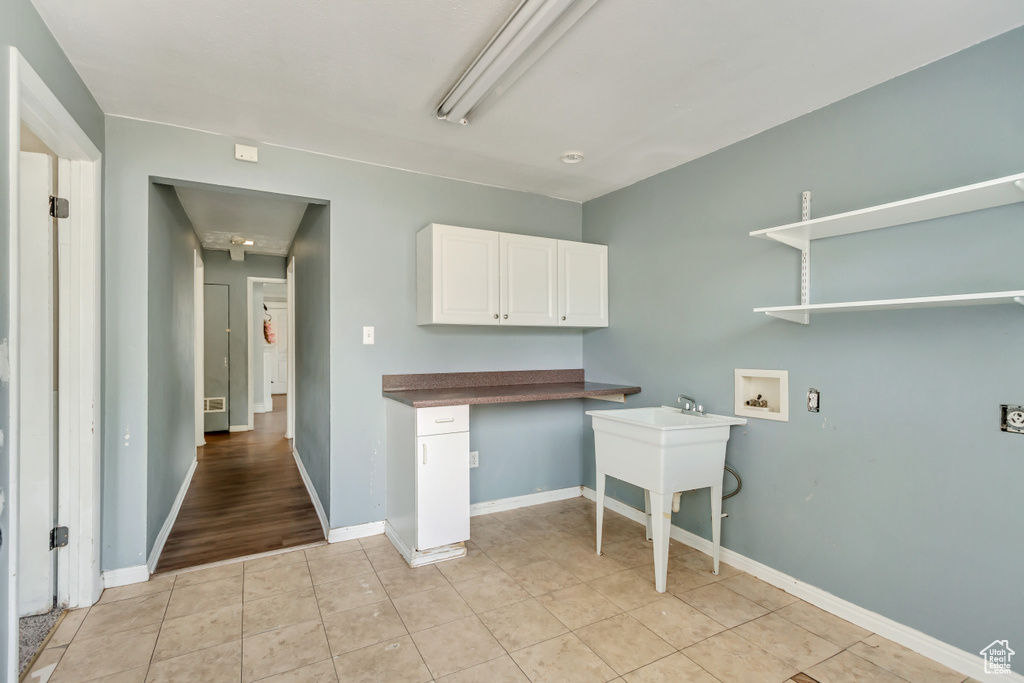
(165, 530)
(324, 524)
(921, 643)
(128, 575)
(503, 504)
(421, 558)
(258, 408)
(238, 428)
(348, 533)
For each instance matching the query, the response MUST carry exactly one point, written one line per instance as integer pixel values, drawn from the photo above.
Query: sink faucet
(689, 404)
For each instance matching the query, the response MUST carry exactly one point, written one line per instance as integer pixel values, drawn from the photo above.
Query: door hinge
(59, 207)
(58, 537)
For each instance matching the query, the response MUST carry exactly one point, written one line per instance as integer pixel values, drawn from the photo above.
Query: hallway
(246, 497)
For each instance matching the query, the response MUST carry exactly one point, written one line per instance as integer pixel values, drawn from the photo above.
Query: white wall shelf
(794, 312)
(986, 195)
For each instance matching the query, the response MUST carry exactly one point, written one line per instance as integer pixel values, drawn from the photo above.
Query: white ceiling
(217, 216)
(639, 86)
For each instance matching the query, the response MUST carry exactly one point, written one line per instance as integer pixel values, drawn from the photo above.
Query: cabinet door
(529, 280)
(442, 489)
(582, 284)
(465, 276)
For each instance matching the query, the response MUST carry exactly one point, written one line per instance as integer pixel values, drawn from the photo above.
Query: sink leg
(647, 513)
(661, 520)
(600, 508)
(716, 523)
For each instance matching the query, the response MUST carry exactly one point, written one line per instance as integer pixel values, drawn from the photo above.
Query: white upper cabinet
(466, 276)
(582, 284)
(529, 280)
(457, 275)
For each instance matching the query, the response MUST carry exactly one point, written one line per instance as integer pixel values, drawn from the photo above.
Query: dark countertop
(474, 388)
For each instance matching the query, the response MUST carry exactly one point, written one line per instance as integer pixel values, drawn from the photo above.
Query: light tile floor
(530, 602)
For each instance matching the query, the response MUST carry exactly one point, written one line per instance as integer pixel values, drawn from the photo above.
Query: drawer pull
(424, 454)
(444, 419)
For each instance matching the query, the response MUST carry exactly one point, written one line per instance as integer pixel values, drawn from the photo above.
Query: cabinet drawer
(443, 420)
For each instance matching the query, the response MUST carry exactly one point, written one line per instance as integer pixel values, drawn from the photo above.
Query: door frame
(249, 282)
(199, 296)
(289, 430)
(79, 327)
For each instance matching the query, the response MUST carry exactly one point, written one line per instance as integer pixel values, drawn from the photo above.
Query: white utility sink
(664, 451)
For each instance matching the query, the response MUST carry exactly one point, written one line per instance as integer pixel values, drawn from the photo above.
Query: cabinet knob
(495, 316)
(563, 317)
(506, 316)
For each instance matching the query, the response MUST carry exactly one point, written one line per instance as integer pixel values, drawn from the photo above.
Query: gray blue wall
(21, 27)
(172, 378)
(375, 214)
(311, 250)
(901, 495)
(221, 270)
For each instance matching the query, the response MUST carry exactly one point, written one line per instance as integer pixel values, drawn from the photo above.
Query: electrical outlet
(1011, 419)
(813, 400)
(474, 459)
(367, 335)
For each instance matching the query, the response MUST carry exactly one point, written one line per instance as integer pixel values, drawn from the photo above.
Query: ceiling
(638, 86)
(270, 221)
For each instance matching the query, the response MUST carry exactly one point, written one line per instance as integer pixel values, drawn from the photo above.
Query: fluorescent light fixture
(534, 27)
(248, 243)
(241, 241)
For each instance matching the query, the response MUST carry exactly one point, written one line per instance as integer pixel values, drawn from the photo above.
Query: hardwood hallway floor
(246, 497)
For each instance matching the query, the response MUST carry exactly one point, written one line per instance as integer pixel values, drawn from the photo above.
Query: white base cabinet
(466, 276)
(427, 481)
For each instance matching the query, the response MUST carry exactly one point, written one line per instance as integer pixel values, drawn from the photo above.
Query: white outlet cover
(367, 335)
(474, 459)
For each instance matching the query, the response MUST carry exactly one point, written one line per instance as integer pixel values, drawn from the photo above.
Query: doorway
(246, 492)
(54, 346)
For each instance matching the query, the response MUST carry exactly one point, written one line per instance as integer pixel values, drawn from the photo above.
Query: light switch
(367, 335)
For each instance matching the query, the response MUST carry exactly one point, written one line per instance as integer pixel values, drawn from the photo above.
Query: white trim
(347, 533)
(165, 530)
(289, 430)
(324, 523)
(249, 282)
(30, 101)
(503, 504)
(948, 655)
(259, 409)
(421, 558)
(126, 576)
(199, 334)
(240, 428)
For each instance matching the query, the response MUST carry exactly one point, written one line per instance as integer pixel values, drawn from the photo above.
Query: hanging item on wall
(268, 327)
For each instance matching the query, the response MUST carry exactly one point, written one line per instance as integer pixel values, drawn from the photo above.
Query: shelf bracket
(1019, 299)
(805, 252)
(802, 317)
(1019, 184)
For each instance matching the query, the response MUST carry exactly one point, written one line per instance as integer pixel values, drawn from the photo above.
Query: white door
(442, 489)
(465, 274)
(529, 280)
(582, 284)
(35, 330)
(279, 350)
